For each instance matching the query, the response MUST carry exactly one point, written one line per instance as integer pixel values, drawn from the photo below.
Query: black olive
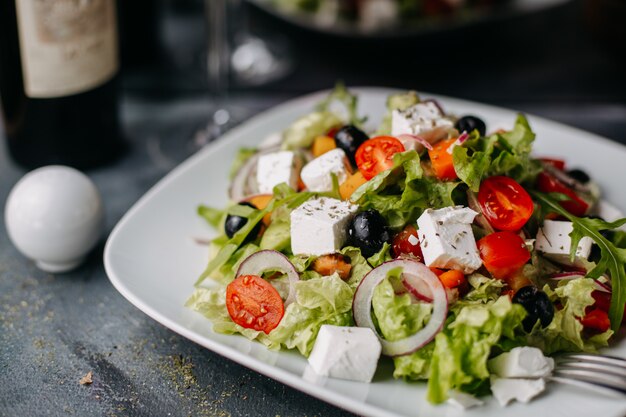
(579, 175)
(234, 223)
(469, 123)
(537, 304)
(368, 231)
(596, 253)
(349, 138)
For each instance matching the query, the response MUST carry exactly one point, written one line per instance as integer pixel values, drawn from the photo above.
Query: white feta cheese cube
(506, 390)
(554, 241)
(316, 175)
(420, 119)
(462, 400)
(319, 226)
(447, 239)
(346, 353)
(521, 362)
(276, 168)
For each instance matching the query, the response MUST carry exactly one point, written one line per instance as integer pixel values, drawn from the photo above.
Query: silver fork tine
(599, 388)
(617, 383)
(595, 366)
(579, 357)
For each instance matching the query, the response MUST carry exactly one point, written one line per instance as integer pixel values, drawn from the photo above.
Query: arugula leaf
(243, 154)
(212, 215)
(612, 259)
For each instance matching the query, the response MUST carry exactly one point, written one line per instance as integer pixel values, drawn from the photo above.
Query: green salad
(430, 239)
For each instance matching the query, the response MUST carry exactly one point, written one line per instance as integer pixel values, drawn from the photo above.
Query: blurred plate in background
(396, 18)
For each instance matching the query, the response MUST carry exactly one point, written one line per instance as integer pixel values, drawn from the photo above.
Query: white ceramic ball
(54, 215)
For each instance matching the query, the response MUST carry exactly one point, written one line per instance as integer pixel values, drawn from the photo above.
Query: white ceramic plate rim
(277, 373)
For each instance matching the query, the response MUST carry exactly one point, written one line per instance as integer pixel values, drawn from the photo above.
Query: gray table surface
(56, 328)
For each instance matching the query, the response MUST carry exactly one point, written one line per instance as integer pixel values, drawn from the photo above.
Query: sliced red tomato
(376, 155)
(503, 253)
(442, 161)
(505, 203)
(557, 163)
(407, 243)
(596, 319)
(549, 184)
(254, 303)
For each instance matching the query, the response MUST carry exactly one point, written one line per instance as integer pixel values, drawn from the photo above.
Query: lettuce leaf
(319, 301)
(401, 193)
(565, 332)
(505, 153)
(461, 351)
(397, 316)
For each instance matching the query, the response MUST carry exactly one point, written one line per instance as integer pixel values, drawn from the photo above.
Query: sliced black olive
(368, 231)
(469, 123)
(537, 304)
(234, 223)
(349, 138)
(579, 175)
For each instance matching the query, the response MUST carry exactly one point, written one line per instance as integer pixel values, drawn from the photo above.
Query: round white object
(54, 215)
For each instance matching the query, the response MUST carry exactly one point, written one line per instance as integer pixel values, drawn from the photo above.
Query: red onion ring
(567, 276)
(415, 138)
(459, 141)
(264, 260)
(362, 305)
(472, 202)
(241, 181)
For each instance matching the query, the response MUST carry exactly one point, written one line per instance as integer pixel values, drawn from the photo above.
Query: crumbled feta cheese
(554, 241)
(419, 120)
(316, 175)
(463, 400)
(447, 239)
(521, 362)
(346, 353)
(506, 390)
(319, 226)
(276, 168)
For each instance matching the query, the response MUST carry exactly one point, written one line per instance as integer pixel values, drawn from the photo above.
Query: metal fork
(605, 374)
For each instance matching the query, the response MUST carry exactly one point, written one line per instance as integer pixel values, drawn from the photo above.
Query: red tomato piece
(597, 320)
(549, 184)
(505, 203)
(407, 243)
(376, 155)
(503, 253)
(442, 161)
(557, 163)
(254, 303)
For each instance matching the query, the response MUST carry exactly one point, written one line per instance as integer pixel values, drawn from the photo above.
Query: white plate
(151, 258)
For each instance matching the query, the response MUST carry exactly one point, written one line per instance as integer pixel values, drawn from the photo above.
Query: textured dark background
(56, 328)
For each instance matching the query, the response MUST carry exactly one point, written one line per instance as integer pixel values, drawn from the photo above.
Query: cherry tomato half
(505, 203)
(254, 303)
(407, 243)
(549, 184)
(376, 155)
(557, 163)
(503, 253)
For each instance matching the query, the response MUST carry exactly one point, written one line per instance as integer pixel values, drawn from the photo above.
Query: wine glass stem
(218, 50)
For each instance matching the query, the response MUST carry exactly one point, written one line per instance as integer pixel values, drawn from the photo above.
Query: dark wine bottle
(58, 81)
